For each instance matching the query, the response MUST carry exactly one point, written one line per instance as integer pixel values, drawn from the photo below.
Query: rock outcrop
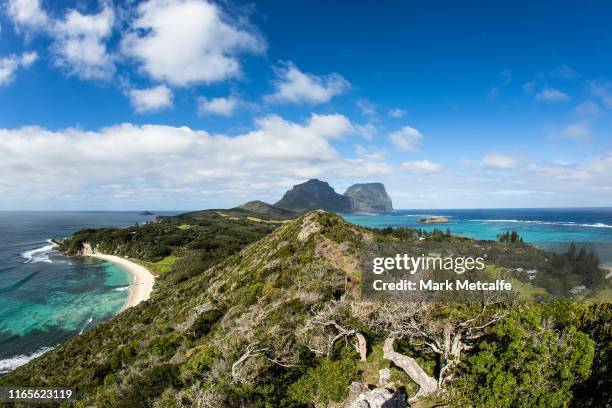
(369, 197)
(314, 195)
(362, 397)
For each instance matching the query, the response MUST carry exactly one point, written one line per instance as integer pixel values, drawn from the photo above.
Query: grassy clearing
(268, 221)
(165, 265)
(525, 290)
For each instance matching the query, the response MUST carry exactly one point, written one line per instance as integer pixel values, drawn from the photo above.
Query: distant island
(147, 213)
(433, 220)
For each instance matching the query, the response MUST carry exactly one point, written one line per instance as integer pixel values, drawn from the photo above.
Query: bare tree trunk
(361, 346)
(428, 385)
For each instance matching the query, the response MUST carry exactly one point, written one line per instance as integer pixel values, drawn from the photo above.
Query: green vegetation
(509, 237)
(259, 314)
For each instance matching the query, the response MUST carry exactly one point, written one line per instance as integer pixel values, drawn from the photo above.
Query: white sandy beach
(142, 279)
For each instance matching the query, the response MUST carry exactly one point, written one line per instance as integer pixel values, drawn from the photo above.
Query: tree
(444, 331)
(527, 360)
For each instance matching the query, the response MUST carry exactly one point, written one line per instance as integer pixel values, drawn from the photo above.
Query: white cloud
(11, 63)
(551, 95)
(185, 42)
(406, 139)
(603, 90)
(423, 166)
(80, 43)
(27, 13)
(217, 106)
(151, 99)
(578, 130)
(369, 154)
(295, 86)
(367, 108)
(330, 126)
(368, 131)
(153, 163)
(498, 161)
(397, 113)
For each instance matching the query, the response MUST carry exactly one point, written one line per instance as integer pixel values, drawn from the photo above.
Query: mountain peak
(314, 194)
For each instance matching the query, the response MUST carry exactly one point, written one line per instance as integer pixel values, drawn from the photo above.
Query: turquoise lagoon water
(546, 227)
(46, 297)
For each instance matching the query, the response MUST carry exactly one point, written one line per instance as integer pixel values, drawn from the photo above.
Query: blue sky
(187, 104)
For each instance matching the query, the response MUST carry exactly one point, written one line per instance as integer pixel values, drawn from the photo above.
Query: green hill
(265, 314)
(268, 210)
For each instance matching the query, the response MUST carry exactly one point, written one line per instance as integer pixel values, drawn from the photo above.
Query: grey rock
(314, 195)
(369, 197)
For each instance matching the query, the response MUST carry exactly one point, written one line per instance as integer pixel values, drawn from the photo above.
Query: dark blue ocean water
(46, 297)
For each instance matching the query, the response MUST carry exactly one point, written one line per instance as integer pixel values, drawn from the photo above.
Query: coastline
(142, 279)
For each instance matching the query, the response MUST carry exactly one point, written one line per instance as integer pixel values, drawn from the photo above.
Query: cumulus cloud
(370, 154)
(498, 161)
(294, 86)
(368, 131)
(202, 48)
(194, 164)
(11, 63)
(152, 99)
(397, 113)
(406, 139)
(551, 95)
(79, 40)
(27, 14)
(80, 43)
(217, 106)
(423, 166)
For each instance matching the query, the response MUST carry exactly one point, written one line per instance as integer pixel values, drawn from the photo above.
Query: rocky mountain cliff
(319, 195)
(369, 197)
(314, 195)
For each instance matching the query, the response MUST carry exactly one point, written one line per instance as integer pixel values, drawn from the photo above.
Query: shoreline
(142, 279)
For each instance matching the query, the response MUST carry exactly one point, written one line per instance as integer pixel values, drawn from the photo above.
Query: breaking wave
(9, 364)
(39, 254)
(562, 223)
(86, 324)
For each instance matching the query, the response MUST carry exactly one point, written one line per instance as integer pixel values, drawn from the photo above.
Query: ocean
(47, 297)
(544, 227)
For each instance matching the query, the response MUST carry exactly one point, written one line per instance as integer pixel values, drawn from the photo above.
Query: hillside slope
(191, 332)
(268, 210)
(281, 323)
